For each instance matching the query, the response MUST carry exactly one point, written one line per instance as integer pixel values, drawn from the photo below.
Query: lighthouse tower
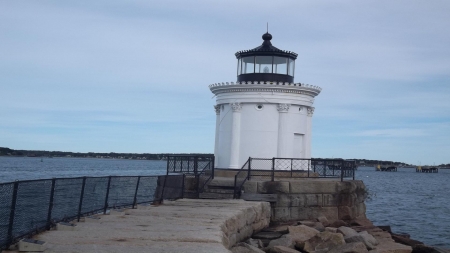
(264, 114)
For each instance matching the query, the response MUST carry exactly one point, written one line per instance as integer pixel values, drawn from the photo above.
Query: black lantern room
(266, 63)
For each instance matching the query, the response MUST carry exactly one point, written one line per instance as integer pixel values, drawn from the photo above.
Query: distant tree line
(160, 156)
(112, 155)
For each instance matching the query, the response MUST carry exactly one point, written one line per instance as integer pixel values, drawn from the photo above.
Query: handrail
(238, 186)
(203, 171)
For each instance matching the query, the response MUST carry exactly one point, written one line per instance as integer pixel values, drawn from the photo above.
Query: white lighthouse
(264, 114)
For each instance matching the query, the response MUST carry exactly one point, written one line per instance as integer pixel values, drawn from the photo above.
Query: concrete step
(207, 195)
(219, 190)
(221, 182)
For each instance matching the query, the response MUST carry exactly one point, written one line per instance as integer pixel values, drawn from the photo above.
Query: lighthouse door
(298, 146)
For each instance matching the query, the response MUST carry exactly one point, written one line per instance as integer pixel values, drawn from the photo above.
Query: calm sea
(410, 202)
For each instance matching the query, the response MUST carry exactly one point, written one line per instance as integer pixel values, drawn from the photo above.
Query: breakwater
(410, 202)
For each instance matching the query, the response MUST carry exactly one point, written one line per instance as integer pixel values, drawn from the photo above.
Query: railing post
(354, 168)
(182, 186)
(80, 205)
(188, 164)
(107, 195)
(136, 191)
(213, 166)
(249, 167)
(195, 164)
(50, 205)
(342, 173)
(235, 183)
(273, 169)
(12, 211)
(309, 165)
(168, 162)
(292, 160)
(324, 168)
(181, 165)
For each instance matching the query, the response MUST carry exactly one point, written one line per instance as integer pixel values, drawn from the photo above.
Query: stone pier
(185, 225)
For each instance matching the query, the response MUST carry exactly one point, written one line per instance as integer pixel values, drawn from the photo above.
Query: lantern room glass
(263, 64)
(291, 67)
(280, 65)
(247, 65)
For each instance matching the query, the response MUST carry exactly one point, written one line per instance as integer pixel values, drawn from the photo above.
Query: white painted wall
(259, 131)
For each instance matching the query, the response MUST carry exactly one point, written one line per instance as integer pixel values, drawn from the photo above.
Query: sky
(132, 76)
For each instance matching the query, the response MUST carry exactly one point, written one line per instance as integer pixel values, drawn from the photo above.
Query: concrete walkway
(185, 225)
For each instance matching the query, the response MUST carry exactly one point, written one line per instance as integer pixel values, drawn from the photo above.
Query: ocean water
(414, 203)
(410, 202)
(24, 168)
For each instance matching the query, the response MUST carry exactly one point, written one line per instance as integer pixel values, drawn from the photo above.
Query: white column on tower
(216, 141)
(282, 130)
(235, 135)
(308, 131)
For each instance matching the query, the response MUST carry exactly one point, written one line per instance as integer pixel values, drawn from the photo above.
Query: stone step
(220, 190)
(221, 182)
(207, 195)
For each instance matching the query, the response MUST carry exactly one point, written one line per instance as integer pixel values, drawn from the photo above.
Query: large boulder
(324, 240)
(300, 234)
(354, 247)
(363, 237)
(347, 232)
(245, 248)
(285, 240)
(255, 243)
(322, 219)
(338, 223)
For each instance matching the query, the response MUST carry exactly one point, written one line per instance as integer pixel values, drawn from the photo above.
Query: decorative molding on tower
(264, 86)
(283, 107)
(217, 109)
(310, 111)
(236, 107)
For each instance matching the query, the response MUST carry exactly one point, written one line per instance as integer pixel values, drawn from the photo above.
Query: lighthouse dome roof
(266, 48)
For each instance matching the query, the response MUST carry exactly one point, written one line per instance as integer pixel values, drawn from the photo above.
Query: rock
(255, 243)
(363, 237)
(245, 248)
(405, 240)
(389, 246)
(338, 223)
(300, 234)
(304, 230)
(323, 220)
(324, 240)
(282, 249)
(347, 232)
(361, 222)
(330, 229)
(282, 229)
(307, 223)
(428, 249)
(267, 235)
(285, 240)
(354, 247)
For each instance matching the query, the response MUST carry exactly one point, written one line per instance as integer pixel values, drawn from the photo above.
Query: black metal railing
(299, 168)
(271, 168)
(28, 207)
(199, 168)
(189, 164)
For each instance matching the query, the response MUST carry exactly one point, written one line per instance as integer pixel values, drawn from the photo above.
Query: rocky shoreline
(321, 236)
